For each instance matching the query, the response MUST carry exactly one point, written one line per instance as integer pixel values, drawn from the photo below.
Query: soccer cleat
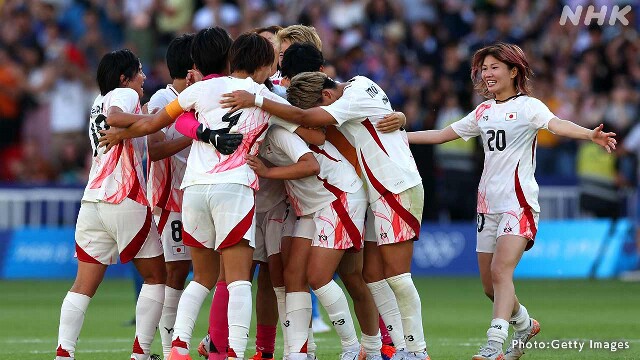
(155, 357)
(349, 355)
(178, 353)
(319, 326)
(400, 354)
(258, 356)
(521, 338)
(416, 355)
(488, 352)
(309, 357)
(387, 352)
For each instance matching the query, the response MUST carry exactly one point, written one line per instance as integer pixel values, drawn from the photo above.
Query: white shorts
(304, 227)
(289, 224)
(269, 232)
(394, 218)
(106, 232)
(522, 222)
(218, 216)
(340, 225)
(170, 227)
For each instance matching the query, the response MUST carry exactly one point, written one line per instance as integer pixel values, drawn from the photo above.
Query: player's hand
(222, 140)
(604, 139)
(256, 165)
(110, 137)
(237, 100)
(391, 122)
(193, 76)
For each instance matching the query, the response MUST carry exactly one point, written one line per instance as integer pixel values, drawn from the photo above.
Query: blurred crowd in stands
(417, 50)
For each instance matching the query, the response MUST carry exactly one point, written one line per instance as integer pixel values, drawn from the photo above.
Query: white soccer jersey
(310, 194)
(508, 134)
(117, 174)
(384, 158)
(205, 164)
(165, 176)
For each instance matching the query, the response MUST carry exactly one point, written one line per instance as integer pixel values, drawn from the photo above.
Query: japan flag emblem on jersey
(511, 116)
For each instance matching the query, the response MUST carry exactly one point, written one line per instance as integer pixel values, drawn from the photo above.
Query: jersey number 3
(500, 139)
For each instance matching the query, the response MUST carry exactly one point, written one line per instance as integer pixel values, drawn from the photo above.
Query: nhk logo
(616, 14)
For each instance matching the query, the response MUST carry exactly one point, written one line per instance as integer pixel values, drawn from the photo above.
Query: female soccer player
(394, 186)
(115, 220)
(508, 193)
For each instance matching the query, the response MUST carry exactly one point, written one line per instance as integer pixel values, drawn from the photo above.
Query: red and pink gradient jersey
(165, 176)
(118, 173)
(508, 131)
(206, 165)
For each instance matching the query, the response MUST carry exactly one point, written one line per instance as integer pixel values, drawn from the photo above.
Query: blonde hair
(299, 34)
(306, 88)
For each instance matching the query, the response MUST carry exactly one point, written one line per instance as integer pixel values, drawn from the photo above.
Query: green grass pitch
(456, 315)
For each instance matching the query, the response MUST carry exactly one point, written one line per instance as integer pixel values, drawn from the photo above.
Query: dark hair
(178, 56)
(114, 64)
(210, 50)
(510, 54)
(301, 58)
(250, 52)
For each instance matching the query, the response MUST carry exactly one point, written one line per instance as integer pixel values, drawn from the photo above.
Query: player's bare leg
(266, 315)
(237, 260)
(74, 307)
(322, 265)
(350, 271)
(490, 266)
(206, 266)
(373, 275)
(298, 299)
(396, 258)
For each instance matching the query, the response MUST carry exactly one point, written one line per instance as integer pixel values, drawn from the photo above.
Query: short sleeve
(125, 99)
(467, 127)
(290, 144)
(345, 108)
(274, 120)
(189, 96)
(539, 114)
(158, 101)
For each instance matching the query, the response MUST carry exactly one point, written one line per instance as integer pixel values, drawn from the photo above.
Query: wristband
(258, 100)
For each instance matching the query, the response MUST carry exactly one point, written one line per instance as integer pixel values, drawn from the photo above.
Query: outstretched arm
(313, 117)
(432, 136)
(574, 131)
(306, 166)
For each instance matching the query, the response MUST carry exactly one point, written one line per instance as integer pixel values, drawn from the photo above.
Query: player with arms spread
(394, 185)
(508, 193)
(115, 220)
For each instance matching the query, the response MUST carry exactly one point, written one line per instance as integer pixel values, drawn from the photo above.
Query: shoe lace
(486, 350)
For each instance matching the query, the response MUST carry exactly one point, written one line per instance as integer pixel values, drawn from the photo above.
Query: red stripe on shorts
(164, 216)
(189, 240)
(404, 214)
(237, 233)
(84, 257)
(131, 250)
(343, 214)
(528, 214)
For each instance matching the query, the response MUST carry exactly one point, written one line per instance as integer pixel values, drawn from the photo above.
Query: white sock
(372, 344)
(520, 320)
(410, 311)
(335, 302)
(297, 322)
(239, 313)
(148, 312)
(74, 306)
(168, 318)
(311, 344)
(282, 315)
(387, 306)
(498, 331)
(188, 308)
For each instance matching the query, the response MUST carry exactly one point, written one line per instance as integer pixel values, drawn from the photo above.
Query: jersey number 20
(500, 140)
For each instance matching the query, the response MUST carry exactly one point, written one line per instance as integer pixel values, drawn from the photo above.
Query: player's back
(206, 165)
(118, 173)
